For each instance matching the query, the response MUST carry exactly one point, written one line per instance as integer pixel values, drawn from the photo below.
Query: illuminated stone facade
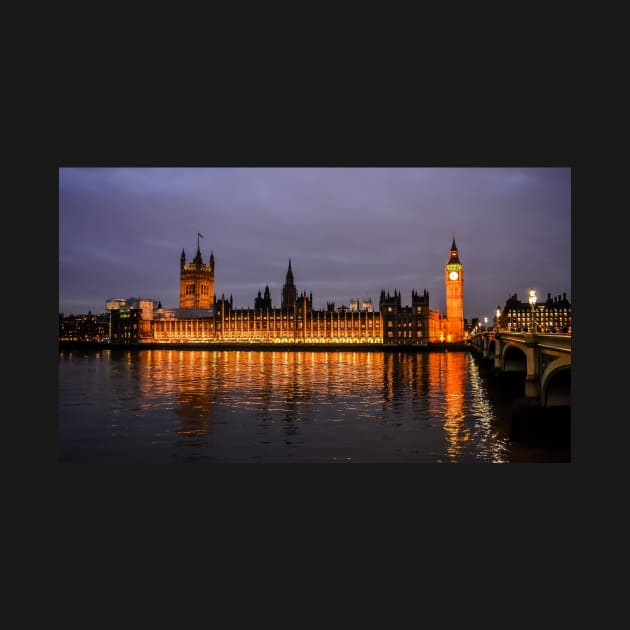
(196, 282)
(454, 280)
(202, 319)
(552, 316)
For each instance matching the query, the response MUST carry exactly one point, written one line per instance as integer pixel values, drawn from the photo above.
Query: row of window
(349, 320)
(189, 289)
(175, 324)
(418, 309)
(538, 313)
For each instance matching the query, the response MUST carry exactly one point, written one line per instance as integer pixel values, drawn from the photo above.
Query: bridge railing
(556, 341)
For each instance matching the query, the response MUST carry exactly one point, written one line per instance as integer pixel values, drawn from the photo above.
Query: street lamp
(497, 317)
(485, 321)
(532, 303)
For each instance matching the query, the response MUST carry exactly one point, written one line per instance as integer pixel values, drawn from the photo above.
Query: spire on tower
(289, 291)
(197, 258)
(454, 254)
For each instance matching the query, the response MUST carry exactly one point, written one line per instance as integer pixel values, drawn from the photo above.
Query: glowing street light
(532, 303)
(497, 317)
(485, 321)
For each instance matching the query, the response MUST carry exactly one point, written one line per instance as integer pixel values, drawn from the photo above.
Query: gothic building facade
(196, 282)
(551, 316)
(201, 318)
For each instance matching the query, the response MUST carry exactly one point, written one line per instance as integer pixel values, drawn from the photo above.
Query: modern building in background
(131, 319)
(84, 327)
(201, 318)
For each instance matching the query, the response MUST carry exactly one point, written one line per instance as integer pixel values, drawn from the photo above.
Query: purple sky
(349, 232)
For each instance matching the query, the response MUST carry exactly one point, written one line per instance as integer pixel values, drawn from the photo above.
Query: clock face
(453, 275)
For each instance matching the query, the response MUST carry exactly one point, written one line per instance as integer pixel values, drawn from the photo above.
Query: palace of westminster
(201, 318)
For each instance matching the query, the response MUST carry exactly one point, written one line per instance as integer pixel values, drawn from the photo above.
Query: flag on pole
(199, 234)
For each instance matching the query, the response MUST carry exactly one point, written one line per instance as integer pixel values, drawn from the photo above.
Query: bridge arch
(513, 358)
(556, 383)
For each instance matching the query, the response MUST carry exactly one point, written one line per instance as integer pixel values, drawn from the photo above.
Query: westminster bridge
(544, 358)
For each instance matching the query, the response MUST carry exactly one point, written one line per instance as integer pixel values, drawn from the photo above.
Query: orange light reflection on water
(448, 372)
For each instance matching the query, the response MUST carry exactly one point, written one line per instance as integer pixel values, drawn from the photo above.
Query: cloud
(349, 232)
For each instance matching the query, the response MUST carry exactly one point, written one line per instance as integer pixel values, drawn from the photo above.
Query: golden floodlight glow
(532, 301)
(302, 325)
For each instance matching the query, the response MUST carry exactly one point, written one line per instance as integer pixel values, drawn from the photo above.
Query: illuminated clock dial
(453, 275)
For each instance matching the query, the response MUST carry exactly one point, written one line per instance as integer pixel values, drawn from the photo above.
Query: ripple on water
(429, 407)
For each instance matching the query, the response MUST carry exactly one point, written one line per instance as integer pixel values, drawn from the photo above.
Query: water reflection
(452, 369)
(283, 406)
(184, 382)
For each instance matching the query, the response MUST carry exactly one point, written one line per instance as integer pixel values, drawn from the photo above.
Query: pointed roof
(289, 273)
(454, 255)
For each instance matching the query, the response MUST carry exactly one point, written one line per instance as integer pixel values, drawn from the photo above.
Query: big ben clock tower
(454, 279)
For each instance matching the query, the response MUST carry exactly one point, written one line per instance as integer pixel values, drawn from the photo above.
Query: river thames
(242, 406)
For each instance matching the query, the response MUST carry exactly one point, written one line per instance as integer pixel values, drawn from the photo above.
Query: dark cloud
(349, 232)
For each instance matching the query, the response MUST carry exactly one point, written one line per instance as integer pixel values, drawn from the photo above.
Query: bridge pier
(534, 424)
(532, 380)
(536, 417)
(532, 388)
